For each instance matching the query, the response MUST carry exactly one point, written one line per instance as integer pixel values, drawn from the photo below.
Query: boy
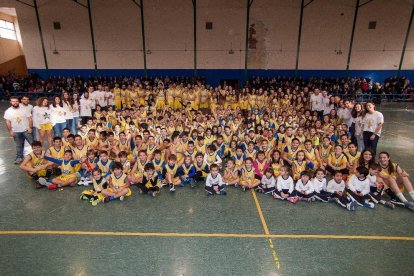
(99, 184)
(336, 190)
(35, 165)
(186, 172)
(150, 182)
(359, 187)
(267, 183)
(68, 168)
(104, 163)
(118, 184)
(201, 166)
(214, 183)
(170, 172)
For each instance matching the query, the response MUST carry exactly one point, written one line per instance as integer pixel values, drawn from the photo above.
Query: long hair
(54, 101)
(391, 168)
(39, 101)
(361, 160)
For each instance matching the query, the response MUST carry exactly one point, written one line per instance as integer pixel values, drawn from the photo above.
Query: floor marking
(201, 235)
(266, 230)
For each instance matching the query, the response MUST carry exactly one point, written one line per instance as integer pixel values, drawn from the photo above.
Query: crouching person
(214, 182)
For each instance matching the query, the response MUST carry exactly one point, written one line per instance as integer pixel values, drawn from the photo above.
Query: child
(304, 188)
(68, 168)
(376, 186)
(137, 171)
(248, 179)
(170, 172)
(239, 158)
(359, 187)
(150, 182)
(159, 164)
(267, 183)
(99, 184)
(186, 172)
(231, 175)
(319, 185)
(260, 165)
(211, 156)
(214, 183)
(299, 165)
(276, 163)
(123, 159)
(336, 190)
(337, 162)
(284, 186)
(87, 168)
(202, 168)
(118, 184)
(36, 165)
(104, 163)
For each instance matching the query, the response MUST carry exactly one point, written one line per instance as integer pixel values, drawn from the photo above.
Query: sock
(35, 176)
(401, 197)
(412, 194)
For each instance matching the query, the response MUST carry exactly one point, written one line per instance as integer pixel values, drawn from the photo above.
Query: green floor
(190, 211)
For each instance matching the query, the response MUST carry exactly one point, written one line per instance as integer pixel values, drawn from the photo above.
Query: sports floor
(55, 233)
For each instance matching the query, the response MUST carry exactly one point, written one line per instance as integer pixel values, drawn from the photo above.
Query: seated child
(211, 156)
(68, 168)
(118, 184)
(159, 164)
(260, 164)
(284, 186)
(319, 185)
(170, 173)
(359, 187)
(214, 183)
(304, 188)
(150, 182)
(186, 172)
(123, 159)
(248, 179)
(376, 186)
(99, 184)
(336, 190)
(87, 167)
(202, 168)
(231, 175)
(36, 165)
(268, 183)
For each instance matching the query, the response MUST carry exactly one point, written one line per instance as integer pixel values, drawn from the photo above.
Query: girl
(43, 116)
(150, 184)
(260, 165)
(337, 162)
(358, 188)
(75, 112)
(67, 106)
(319, 185)
(285, 186)
(358, 114)
(299, 165)
(395, 177)
(57, 116)
(276, 163)
(267, 183)
(372, 126)
(231, 176)
(304, 188)
(248, 179)
(186, 172)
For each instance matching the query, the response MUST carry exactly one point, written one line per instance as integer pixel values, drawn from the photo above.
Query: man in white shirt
(19, 124)
(316, 100)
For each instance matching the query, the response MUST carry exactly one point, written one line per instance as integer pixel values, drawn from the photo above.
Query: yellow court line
(266, 230)
(200, 235)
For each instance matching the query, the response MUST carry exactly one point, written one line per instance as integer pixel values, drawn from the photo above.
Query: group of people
(280, 140)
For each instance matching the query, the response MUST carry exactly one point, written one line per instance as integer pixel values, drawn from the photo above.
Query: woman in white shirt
(42, 116)
(358, 115)
(58, 119)
(85, 107)
(75, 113)
(372, 126)
(67, 105)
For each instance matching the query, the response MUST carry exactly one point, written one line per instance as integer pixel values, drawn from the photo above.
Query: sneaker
(43, 181)
(353, 206)
(121, 198)
(259, 190)
(81, 182)
(397, 202)
(369, 204)
(154, 194)
(140, 191)
(182, 184)
(223, 192)
(94, 202)
(163, 183)
(172, 188)
(236, 185)
(86, 183)
(84, 197)
(18, 161)
(52, 187)
(38, 185)
(387, 204)
(409, 205)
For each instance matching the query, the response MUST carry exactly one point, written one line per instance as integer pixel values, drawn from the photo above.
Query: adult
(358, 113)
(75, 112)
(372, 126)
(67, 106)
(85, 107)
(42, 116)
(19, 124)
(57, 115)
(316, 101)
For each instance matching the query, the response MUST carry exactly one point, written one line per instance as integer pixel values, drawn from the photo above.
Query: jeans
(360, 142)
(69, 123)
(58, 129)
(368, 143)
(19, 139)
(74, 126)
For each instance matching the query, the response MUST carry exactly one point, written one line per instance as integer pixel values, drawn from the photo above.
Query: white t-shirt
(284, 184)
(358, 125)
(57, 114)
(93, 98)
(75, 109)
(327, 106)
(68, 111)
(18, 117)
(317, 102)
(41, 115)
(110, 96)
(28, 107)
(100, 97)
(371, 121)
(86, 107)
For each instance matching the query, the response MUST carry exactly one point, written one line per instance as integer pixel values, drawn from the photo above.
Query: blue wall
(214, 76)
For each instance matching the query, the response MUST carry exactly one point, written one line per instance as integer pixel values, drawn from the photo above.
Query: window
(7, 30)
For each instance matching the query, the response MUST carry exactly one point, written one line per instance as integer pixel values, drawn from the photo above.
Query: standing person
(316, 100)
(358, 113)
(92, 96)
(75, 112)
(42, 117)
(19, 124)
(372, 126)
(85, 107)
(57, 113)
(67, 105)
